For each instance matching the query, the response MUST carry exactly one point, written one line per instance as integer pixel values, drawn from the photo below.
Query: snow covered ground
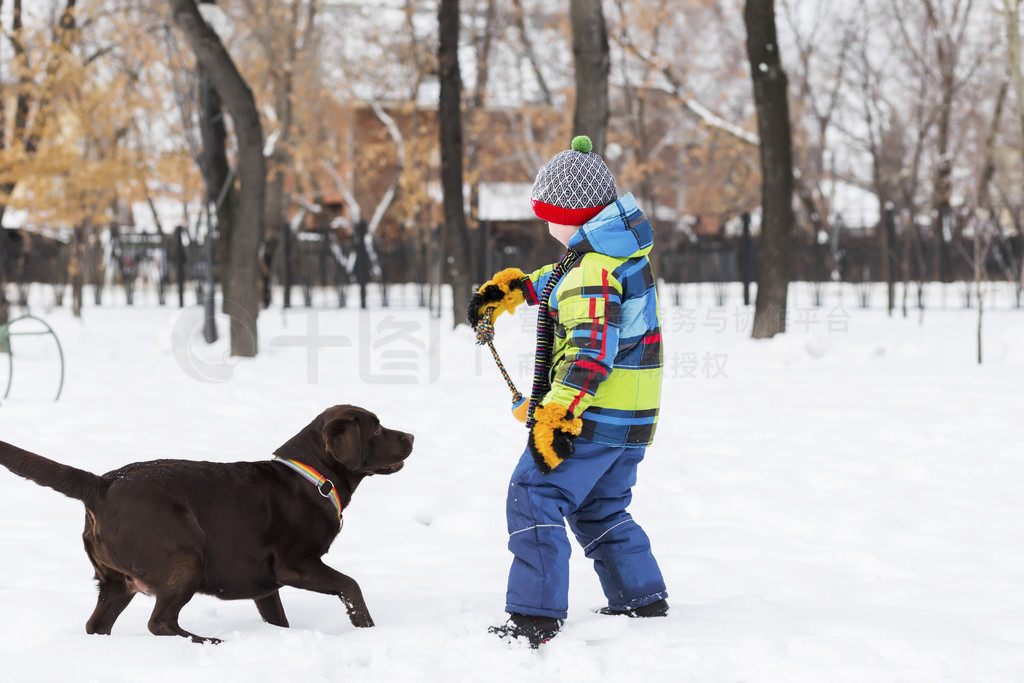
(841, 503)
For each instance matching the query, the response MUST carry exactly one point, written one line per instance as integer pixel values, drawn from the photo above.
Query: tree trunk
(773, 255)
(886, 230)
(979, 262)
(5, 307)
(76, 269)
(591, 55)
(1011, 16)
(241, 270)
(220, 191)
(988, 166)
(455, 234)
(946, 57)
(943, 182)
(985, 207)
(475, 109)
(887, 223)
(275, 218)
(280, 161)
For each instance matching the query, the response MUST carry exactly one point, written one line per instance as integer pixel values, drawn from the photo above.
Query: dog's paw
(360, 619)
(357, 612)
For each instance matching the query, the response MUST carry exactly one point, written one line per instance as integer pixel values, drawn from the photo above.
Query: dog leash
(485, 335)
(324, 486)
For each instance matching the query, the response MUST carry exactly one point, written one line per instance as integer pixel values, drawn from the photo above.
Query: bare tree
(983, 217)
(286, 37)
(31, 99)
(590, 51)
(770, 97)
(894, 93)
(386, 200)
(636, 118)
(679, 113)
(880, 132)
(1011, 10)
(673, 80)
(241, 287)
(948, 26)
(822, 41)
(455, 234)
(519, 18)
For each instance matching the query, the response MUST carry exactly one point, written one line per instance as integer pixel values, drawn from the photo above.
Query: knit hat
(573, 186)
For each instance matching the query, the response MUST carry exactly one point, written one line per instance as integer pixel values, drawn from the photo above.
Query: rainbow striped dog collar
(324, 486)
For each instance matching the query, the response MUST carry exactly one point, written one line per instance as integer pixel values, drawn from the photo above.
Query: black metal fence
(317, 260)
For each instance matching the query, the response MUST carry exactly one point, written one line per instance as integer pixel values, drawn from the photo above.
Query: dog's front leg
(317, 576)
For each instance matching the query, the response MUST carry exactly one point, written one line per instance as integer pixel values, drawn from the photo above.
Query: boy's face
(562, 233)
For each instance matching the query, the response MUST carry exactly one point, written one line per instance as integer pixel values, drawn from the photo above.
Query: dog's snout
(407, 439)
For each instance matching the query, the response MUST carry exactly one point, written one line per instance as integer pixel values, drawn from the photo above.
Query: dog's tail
(71, 481)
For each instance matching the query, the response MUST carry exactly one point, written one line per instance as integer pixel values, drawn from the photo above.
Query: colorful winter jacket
(607, 360)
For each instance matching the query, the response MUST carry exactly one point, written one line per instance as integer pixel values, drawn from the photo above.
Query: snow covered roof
(855, 206)
(171, 212)
(15, 218)
(505, 202)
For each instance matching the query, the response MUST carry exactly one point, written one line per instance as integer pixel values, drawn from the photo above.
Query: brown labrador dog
(238, 531)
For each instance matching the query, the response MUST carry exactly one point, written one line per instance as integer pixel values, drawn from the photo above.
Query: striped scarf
(546, 334)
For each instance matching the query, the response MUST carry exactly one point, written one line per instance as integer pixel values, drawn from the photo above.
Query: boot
(536, 630)
(658, 608)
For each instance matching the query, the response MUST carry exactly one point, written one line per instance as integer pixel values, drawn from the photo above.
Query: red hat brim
(562, 216)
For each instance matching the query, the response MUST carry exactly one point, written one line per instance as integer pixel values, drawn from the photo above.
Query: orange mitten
(501, 293)
(552, 436)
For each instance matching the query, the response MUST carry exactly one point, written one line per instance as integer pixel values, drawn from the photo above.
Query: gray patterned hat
(574, 186)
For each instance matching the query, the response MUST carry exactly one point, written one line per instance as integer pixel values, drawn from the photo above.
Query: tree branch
(693, 107)
(531, 54)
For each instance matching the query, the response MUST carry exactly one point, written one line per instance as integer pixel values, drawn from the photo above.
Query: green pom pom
(581, 143)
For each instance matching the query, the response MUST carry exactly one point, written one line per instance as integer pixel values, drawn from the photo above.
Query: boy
(594, 406)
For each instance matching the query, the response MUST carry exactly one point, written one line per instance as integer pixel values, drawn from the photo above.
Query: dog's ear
(344, 441)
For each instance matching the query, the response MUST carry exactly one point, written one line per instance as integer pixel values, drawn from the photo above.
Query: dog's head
(355, 438)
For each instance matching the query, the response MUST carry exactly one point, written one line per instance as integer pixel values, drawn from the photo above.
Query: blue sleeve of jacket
(535, 282)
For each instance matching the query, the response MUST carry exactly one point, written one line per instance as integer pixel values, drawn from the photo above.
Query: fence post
(423, 271)
(362, 265)
(286, 248)
(889, 266)
(746, 257)
(4, 305)
(435, 272)
(945, 232)
(209, 293)
(321, 257)
(179, 262)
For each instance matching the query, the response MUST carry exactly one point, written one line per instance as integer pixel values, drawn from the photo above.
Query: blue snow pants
(591, 491)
